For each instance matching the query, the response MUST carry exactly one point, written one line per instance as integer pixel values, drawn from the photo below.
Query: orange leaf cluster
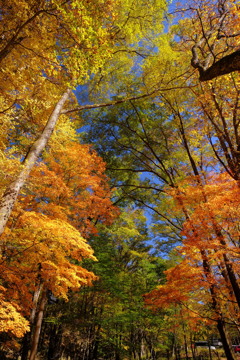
(66, 196)
(210, 246)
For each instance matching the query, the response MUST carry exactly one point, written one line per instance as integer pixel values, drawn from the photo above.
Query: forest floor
(214, 357)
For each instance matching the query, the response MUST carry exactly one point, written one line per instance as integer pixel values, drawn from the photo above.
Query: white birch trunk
(11, 193)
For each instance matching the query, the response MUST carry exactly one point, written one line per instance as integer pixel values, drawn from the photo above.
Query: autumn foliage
(203, 283)
(46, 49)
(166, 123)
(66, 195)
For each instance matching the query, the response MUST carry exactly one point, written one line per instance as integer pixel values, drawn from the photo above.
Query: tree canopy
(119, 178)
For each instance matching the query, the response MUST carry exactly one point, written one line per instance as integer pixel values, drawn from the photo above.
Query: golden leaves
(210, 239)
(73, 185)
(66, 191)
(10, 318)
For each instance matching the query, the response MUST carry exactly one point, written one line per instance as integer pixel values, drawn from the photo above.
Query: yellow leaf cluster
(10, 318)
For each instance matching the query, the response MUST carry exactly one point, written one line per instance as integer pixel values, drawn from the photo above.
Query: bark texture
(38, 325)
(226, 65)
(11, 193)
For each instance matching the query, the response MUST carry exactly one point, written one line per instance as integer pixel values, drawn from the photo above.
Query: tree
(109, 319)
(166, 157)
(44, 249)
(163, 141)
(56, 47)
(56, 53)
(207, 253)
(214, 37)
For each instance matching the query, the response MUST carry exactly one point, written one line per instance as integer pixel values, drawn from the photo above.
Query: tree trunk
(54, 348)
(225, 340)
(27, 337)
(11, 193)
(38, 325)
(185, 343)
(25, 345)
(226, 65)
(232, 278)
(227, 346)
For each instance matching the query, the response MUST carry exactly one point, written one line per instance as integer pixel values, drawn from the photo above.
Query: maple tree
(171, 145)
(192, 132)
(61, 51)
(213, 34)
(110, 316)
(65, 196)
(208, 251)
(49, 48)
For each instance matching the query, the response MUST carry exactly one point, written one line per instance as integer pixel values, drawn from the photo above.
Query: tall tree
(213, 34)
(70, 41)
(56, 47)
(109, 319)
(44, 249)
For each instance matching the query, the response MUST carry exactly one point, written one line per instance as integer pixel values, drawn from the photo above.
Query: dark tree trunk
(225, 340)
(26, 346)
(227, 346)
(55, 340)
(226, 65)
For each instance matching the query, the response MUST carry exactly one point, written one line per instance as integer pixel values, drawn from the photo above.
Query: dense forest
(119, 179)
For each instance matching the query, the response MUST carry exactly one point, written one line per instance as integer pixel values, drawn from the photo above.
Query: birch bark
(11, 193)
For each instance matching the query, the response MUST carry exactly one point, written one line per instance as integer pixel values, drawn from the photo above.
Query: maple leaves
(47, 48)
(43, 246)
(77, 186)
(181, 279)
(209, 254)
(66, 194)
(10, 318)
